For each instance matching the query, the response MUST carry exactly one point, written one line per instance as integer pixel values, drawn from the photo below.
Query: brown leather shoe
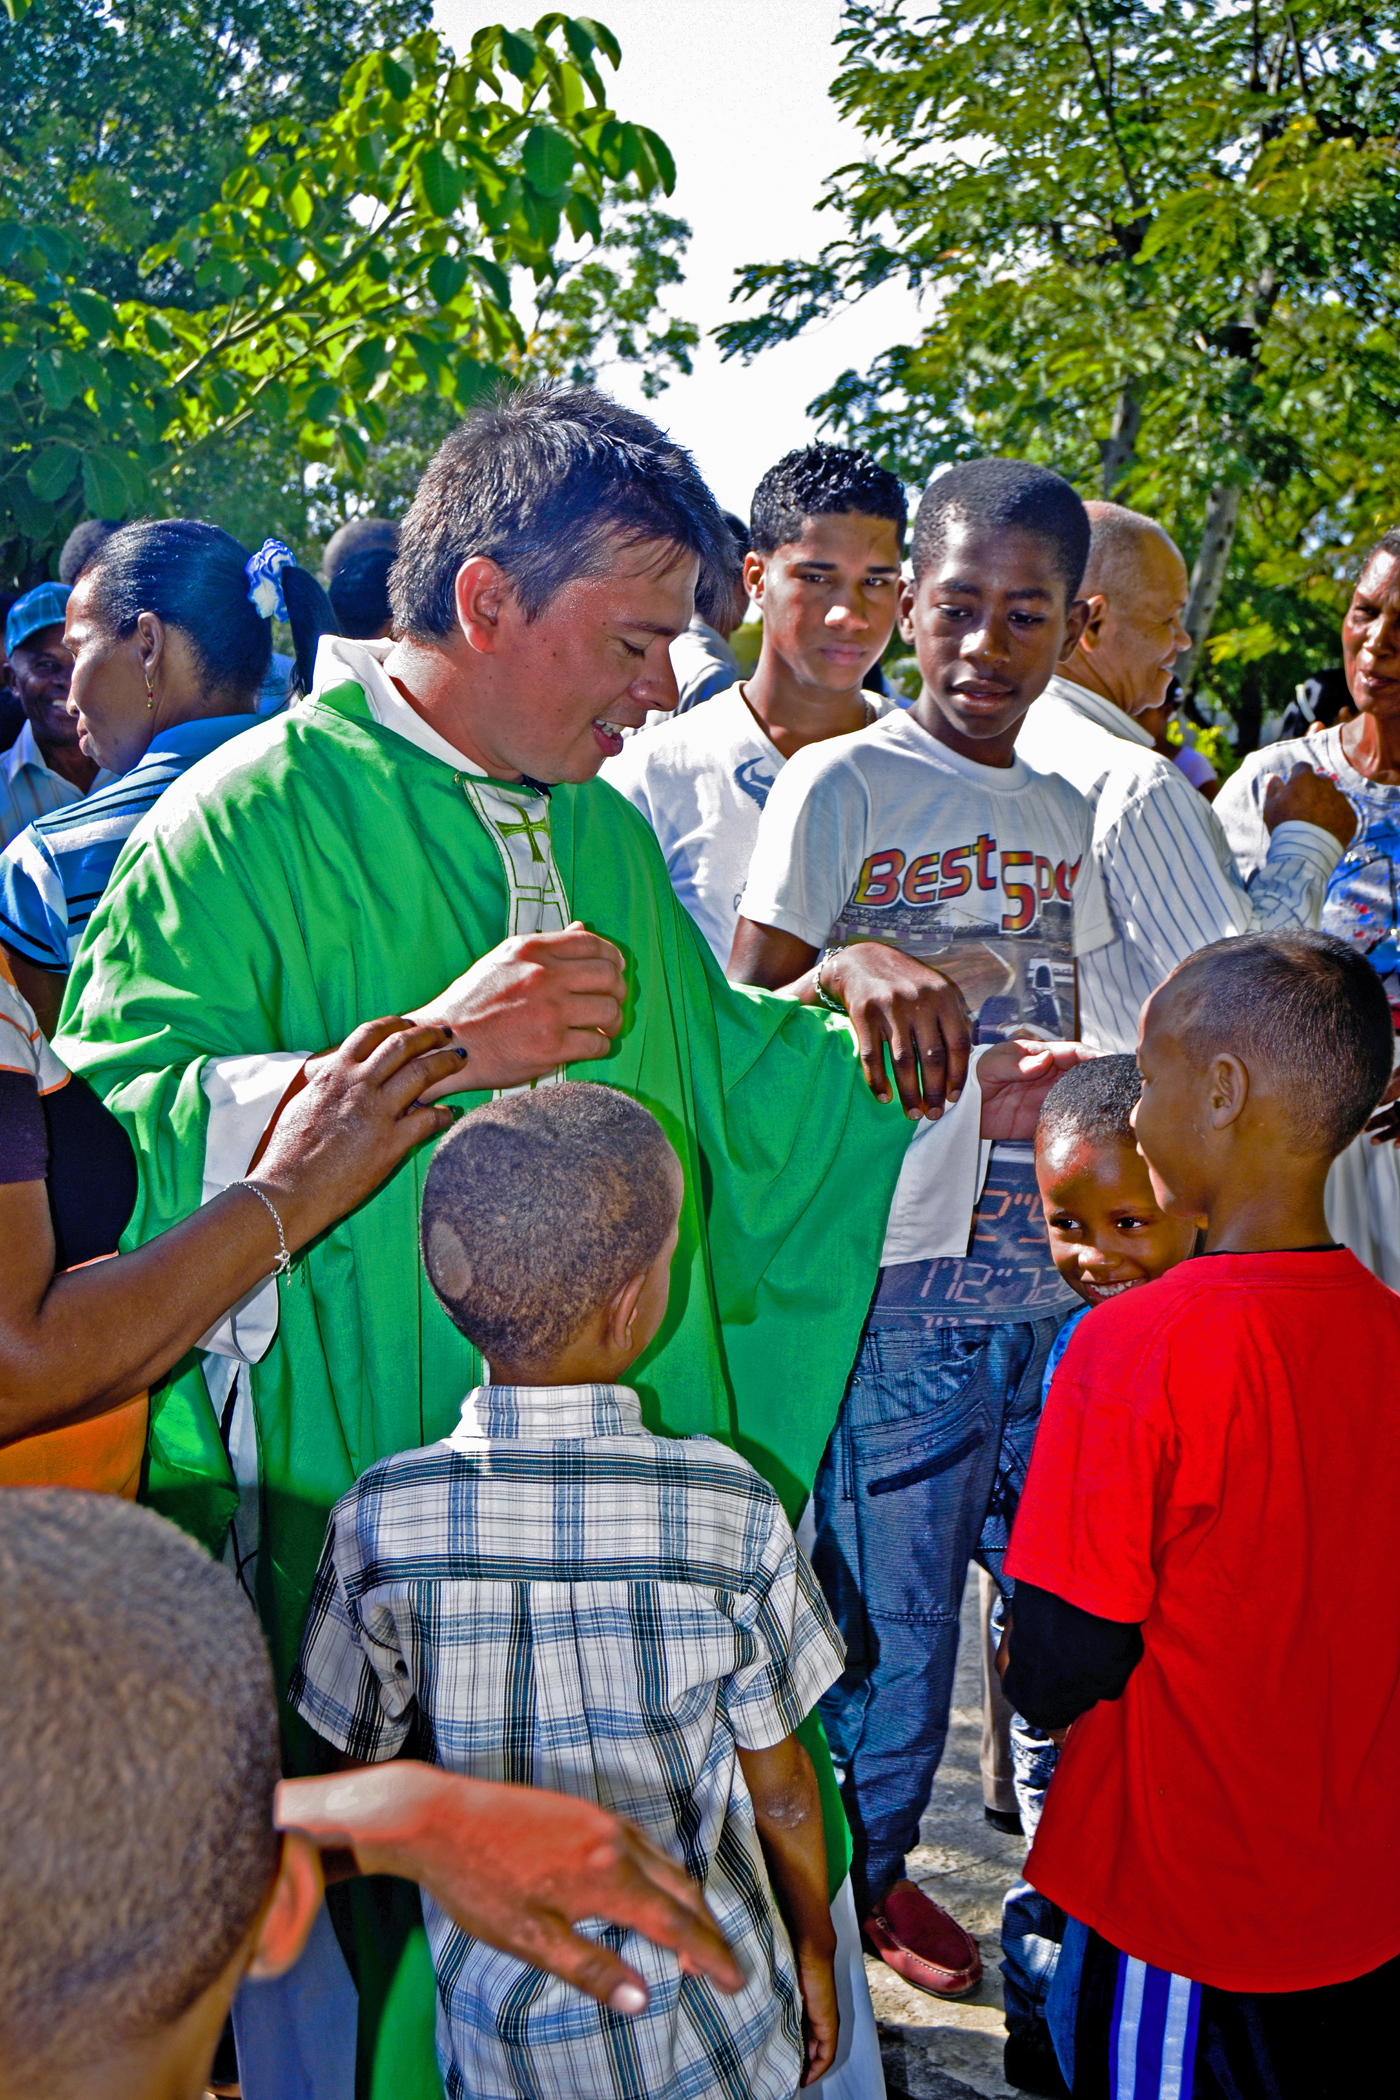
(922, 1943)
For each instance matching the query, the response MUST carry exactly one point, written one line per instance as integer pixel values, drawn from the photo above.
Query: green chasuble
(323, 870)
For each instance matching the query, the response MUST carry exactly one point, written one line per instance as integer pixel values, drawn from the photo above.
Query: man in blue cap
(45, 768)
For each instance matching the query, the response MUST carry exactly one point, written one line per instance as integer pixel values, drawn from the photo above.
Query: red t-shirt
(1219, 1461)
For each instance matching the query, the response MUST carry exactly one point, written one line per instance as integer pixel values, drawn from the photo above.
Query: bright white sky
(738, 90)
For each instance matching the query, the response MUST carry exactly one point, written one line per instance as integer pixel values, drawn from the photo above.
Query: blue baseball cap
(41, 607)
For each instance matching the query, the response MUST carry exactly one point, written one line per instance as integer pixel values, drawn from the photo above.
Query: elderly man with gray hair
(1172, 882)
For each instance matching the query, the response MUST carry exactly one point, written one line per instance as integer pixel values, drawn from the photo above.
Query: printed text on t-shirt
(934, 878)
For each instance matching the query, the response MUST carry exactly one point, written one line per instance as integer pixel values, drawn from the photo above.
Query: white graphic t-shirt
(984, 872)
(701, 781)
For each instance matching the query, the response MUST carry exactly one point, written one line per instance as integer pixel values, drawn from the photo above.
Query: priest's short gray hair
(138, 1759)
(548, 481)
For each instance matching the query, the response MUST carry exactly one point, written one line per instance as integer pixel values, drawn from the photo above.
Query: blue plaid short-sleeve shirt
(555, 1597)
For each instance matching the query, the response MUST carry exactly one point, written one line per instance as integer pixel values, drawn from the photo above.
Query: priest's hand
(1014, 1078)
(516, 1867)
(536, 1002)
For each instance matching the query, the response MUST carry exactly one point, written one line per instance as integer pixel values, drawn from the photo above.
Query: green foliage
(348, 271)
(1158, 240)
(119, 119)
(1212, 745)
(592, 313)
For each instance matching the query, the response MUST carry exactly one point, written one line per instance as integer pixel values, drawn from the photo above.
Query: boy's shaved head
(1120, 542)
(1302, 1008)
(138, 1759)
(1094, 1100)
(1005, 495)
(538, 1207)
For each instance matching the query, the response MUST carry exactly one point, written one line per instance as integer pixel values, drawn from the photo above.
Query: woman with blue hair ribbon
(170, 630)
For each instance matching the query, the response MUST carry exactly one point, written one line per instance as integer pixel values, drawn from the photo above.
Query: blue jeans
(908, 1492)
(1032, 1927)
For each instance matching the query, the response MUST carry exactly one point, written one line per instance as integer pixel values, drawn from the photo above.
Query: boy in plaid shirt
(556, 1596)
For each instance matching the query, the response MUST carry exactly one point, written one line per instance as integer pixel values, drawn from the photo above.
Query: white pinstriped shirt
(1167, 868)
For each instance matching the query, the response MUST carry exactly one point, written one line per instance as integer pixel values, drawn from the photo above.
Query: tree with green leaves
(347, 265)
(1158, 245)
(119, 119)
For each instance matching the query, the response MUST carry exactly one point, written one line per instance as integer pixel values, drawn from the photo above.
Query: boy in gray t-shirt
(928, 835)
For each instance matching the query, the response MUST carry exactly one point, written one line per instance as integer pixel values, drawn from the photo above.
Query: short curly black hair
(138, 1760)
(820, 481)
(1005, 495)
(537, 1207)
(1094, 1100)
(1305, 1007)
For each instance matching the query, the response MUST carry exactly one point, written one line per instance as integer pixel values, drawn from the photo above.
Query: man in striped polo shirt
(44, 768)
(1170, 876)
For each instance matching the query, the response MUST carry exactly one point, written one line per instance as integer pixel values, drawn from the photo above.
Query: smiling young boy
(1216, 1451)
(827, 540)
(1108, 1236)
(928, 835)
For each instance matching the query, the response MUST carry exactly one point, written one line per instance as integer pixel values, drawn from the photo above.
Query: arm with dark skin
(787, 1810)
(902, 1007)
(42, 988)
(1057, 1661)
(893, 1002)
(514, 1866)
(76, 1343)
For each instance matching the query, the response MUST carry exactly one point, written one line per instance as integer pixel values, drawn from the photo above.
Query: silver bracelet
(824, 997)
(283, 1264)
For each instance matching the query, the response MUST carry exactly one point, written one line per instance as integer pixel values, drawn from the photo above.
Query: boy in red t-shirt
(1185, 1558)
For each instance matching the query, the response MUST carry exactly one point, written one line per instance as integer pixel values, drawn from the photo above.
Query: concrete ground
(934, 2049)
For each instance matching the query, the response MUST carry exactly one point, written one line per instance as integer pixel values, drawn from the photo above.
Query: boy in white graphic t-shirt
(927, 835)
(827, 537)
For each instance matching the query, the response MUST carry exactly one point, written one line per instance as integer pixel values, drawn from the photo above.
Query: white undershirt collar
(338, 658)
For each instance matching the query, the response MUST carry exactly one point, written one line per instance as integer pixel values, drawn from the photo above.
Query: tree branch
(279, 306)
(1298, 58)
(1106, 103)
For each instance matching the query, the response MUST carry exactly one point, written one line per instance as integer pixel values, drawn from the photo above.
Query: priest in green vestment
(426, 837)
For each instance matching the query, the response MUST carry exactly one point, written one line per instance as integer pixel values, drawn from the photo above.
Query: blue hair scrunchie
(263, 570)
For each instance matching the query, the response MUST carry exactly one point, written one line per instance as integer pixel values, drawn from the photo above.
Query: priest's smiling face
(549, 697)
